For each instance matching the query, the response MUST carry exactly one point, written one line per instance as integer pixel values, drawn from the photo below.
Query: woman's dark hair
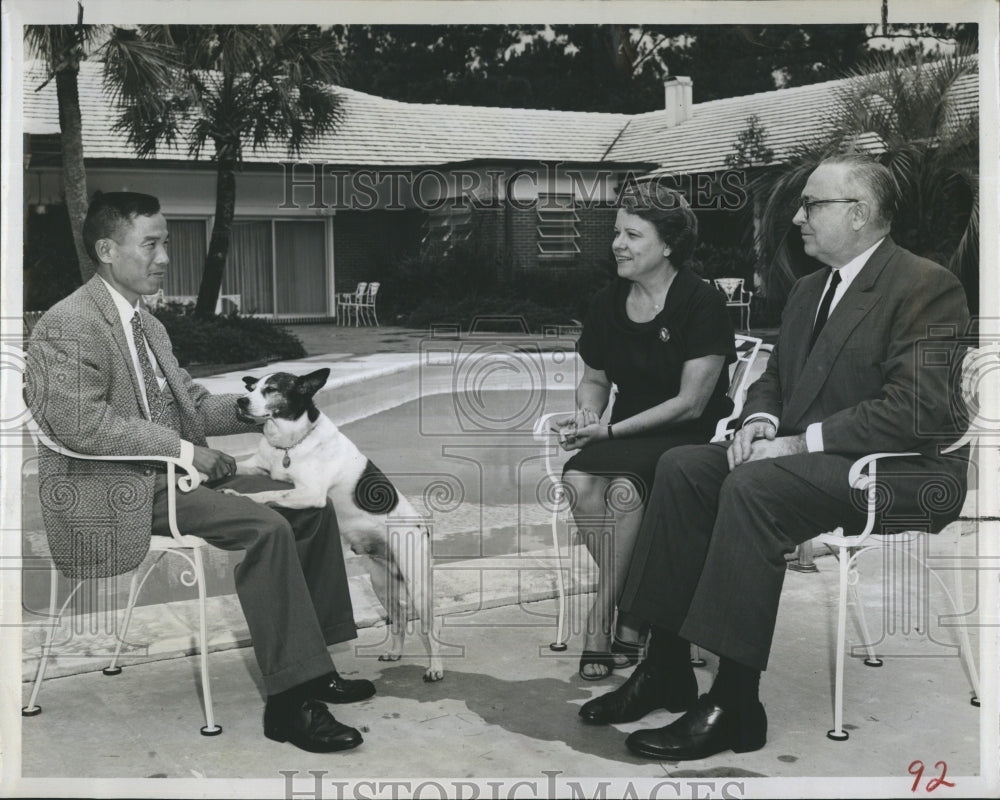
(669, 213)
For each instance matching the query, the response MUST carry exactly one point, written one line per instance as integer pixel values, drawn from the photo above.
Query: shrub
(226, 339)
(723, 261)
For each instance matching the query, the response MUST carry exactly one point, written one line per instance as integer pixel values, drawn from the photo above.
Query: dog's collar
(286, 462)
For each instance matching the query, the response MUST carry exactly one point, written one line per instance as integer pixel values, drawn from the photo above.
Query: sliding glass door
(279, 267)
(300, 267)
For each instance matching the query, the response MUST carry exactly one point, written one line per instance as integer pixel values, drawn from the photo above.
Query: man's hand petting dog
(213, 464)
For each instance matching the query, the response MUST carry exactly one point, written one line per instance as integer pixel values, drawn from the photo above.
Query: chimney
(677, 99)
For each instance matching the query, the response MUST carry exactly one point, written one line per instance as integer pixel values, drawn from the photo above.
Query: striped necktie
(154, 397)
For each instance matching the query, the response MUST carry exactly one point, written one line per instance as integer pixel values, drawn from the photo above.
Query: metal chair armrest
(862, 473)
(862, 476)
(190, 480)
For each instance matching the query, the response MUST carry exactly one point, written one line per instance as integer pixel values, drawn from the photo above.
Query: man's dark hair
(669, 213)
(876, 177)
(110, 212)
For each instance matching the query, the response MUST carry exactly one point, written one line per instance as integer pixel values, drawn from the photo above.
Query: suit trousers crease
(709, 561)
(292, 582)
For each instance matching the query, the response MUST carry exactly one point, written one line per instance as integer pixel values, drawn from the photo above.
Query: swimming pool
(465, 459)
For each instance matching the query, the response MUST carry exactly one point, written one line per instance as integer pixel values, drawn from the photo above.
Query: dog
(302, 446)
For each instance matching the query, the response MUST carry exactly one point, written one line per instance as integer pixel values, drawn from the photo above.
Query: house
(537, 185)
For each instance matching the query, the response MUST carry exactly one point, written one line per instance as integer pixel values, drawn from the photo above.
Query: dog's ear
(249, 381)
(309, 384)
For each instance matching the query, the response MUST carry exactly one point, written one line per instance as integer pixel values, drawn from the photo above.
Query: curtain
(248, 267)
(187, 250)
(300, 271)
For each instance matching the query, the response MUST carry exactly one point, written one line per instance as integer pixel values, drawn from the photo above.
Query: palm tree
(228, 86)
(902, 109)
(62, 48)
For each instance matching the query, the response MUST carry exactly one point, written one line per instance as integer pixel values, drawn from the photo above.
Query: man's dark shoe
(331, 688)
(703, 731)
(644, 691)
(308, 725)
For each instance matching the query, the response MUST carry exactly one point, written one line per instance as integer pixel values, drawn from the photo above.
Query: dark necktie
(824, 307)
(154, 397)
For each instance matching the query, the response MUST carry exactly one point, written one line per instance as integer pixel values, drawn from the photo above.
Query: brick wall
(596, 232)
(366, 243)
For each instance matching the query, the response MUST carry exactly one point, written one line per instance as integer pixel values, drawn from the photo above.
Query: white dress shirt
(848, 272)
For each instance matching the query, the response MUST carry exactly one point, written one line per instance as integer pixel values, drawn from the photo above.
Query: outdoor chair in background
(366, 309)
(748, 348)
(736, 297)
(913, 545)
(187, 547)
(350, 302)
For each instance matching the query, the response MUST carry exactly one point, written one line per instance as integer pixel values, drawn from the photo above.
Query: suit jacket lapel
(859, 299)
(191, 428)
(106, 306)
(795, 347)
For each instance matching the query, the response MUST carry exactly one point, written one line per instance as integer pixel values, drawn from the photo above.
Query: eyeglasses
(806, 205)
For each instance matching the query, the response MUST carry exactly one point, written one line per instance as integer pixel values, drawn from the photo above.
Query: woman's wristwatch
(611, 433)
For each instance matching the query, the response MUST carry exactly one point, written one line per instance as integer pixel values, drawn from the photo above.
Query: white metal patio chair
(187, 547)
(736, 297)
(912, 545)
(366, 306)
(748, 348)
(350, 302)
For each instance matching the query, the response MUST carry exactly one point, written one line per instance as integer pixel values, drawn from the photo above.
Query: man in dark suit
(844, 380)
(102, 380)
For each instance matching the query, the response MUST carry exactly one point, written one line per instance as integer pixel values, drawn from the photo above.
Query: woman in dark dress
(663, 338)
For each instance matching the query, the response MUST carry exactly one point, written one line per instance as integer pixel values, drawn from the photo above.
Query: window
(558, 236)
(448, 225)
(278, 267)
(187, 250)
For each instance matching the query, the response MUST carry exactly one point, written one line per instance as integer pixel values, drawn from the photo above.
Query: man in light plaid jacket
(102, 380)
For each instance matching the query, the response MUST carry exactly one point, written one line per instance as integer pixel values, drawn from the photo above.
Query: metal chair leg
(560, 643)
(210, 728)
(803, 561)
(962, 632)
(838, 734)
(33, 709)
(861, 621)
(135, 587)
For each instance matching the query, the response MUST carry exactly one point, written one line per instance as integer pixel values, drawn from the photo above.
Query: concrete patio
(507, 708)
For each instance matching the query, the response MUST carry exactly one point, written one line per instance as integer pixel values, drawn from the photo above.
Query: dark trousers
(292, 583)
(709, 561)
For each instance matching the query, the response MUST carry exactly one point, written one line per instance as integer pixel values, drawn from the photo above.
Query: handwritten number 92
(916, 768)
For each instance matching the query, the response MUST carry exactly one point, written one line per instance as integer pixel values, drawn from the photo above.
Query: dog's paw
(389, 657)
(232, 492)
(433, 675)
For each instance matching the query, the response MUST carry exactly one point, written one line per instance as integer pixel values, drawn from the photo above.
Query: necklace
(658, 307)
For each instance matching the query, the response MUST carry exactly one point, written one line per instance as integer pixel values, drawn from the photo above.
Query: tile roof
(378, 132)
(375, 131)
(790, 117)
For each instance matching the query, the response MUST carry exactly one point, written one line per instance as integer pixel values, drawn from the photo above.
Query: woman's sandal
(596, 657)
(630, 651)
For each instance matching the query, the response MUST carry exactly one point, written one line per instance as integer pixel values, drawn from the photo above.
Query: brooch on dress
(664, 335)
